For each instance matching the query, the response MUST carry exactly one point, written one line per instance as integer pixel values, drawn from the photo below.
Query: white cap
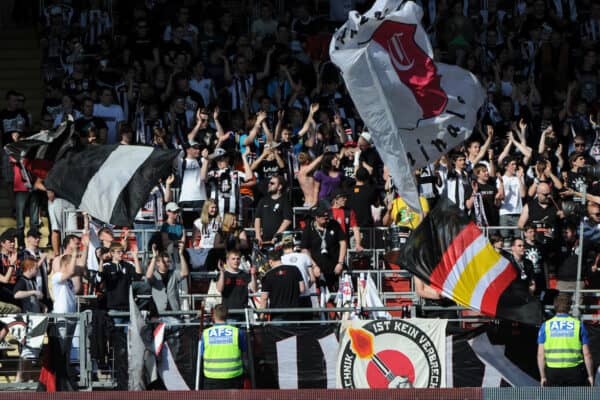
(367, 136)
(172, 207)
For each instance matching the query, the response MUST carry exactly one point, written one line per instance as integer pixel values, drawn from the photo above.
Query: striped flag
(451, 254)
(112, 182)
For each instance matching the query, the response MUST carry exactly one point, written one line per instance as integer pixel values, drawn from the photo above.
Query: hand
(490, 130)
(511, 137)
(520, 172)
(261, 117)
(220, 266)
(339, 267)
(38, 294)
(252, 271)
(490, 154)
(154, 251)
(522, 125)
(216, 113)
(591, 380)
(314, 107)
(12, 258)
(474, 186)
(181, 246)
(259, 240)
(543, 382)
(134, 252)
(204, 153)
(359, 248)
(170, 179)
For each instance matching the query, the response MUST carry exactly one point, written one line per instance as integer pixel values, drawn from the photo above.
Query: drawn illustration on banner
(389, 354)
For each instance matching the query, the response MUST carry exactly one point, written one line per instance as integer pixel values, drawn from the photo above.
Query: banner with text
(392, 354)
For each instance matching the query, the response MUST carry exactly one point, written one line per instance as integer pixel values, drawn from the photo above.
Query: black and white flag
(295, 357)
(112, 182)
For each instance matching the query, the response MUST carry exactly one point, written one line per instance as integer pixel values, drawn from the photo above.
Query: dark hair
(362, 174)
(68, 239)
(11, 93)
(327, 162)
(562, 303)
(274, 255)
(514, 240)
(280, 179)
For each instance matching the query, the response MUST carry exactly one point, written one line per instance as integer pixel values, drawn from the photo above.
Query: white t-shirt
(303, 263)
(512, 203)
(192, 186)
(208, 234)
(64, 294)
(111, 115)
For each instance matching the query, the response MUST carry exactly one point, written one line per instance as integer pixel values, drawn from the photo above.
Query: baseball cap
(350, 143)
(194, 144)
(366, 136)
(218, 153)
(320, 210)
(172, 207)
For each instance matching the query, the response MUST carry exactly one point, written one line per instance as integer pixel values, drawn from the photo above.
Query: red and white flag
(415, 108)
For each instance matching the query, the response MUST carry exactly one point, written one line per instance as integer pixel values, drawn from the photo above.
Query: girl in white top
(207, 226)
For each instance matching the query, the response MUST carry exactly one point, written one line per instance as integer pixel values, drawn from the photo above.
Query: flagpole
(249, 349)
(576, 311)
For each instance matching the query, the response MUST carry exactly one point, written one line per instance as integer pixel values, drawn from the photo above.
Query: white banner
(415, 108)
(401, 353)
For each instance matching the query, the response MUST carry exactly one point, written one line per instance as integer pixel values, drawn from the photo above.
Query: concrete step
(20, 83)
(26, 33)
(10, 65)
(20, 54)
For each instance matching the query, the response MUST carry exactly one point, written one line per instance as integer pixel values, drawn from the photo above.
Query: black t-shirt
(361, 198)
(488, 193)
(371, 157)
(141, 47)
(326, 258)
(29, 303)
(235, 289)
(272, 213)
(347, 168)
(282, 284)
(533, 253)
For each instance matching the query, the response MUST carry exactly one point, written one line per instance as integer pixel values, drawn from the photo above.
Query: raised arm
(152, 264)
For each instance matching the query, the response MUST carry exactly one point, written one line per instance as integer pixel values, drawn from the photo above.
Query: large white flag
(415, 108)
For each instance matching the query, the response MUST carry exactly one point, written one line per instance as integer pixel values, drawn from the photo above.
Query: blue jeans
(22, 200)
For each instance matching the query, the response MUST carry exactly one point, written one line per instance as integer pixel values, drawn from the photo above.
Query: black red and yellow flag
(452, 255)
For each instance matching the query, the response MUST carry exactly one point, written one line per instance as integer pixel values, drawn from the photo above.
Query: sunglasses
(579, 144)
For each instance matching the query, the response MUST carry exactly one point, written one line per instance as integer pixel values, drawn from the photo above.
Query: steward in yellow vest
(221, 348)
(564, 357)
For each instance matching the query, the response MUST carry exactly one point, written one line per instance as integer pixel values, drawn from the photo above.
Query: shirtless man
(305, 179)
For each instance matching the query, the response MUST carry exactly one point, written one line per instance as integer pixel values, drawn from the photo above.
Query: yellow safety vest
(562, 348)
(222, 355)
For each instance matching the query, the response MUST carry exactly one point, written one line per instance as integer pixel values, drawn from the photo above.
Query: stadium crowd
(246, 91)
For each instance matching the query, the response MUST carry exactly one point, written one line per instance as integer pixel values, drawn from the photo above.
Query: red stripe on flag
(489, 303)
(453, 253)
(47, 375)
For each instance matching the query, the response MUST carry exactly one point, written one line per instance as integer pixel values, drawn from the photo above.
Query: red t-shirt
(345, 219)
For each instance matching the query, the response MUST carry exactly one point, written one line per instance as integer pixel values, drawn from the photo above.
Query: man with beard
(273, 213)
(542, 213)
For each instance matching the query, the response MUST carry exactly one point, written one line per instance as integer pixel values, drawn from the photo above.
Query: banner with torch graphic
(392, 354)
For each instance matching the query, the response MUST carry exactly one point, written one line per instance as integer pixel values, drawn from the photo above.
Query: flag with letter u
(416, 109)
(452, 255)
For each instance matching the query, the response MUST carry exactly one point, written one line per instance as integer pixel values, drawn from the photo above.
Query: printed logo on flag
(414, 67)
(392, 354)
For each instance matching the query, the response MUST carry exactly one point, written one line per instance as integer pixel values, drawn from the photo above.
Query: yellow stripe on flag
(477, 267)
